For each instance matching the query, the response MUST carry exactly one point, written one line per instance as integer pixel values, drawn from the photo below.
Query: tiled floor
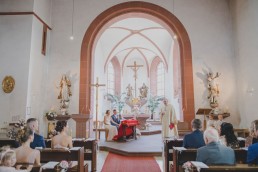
(150, 143)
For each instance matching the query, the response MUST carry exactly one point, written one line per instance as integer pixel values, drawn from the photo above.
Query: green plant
(117, 101)
(153, 103)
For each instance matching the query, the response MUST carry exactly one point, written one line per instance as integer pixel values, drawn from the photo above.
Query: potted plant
(153, 103)
(117, 101)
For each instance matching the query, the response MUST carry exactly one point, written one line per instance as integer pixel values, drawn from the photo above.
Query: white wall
(15, 38)
(246, 42)
(208, 24)
(16, 5)
(21, 42)
(43, 9)
(38, 68)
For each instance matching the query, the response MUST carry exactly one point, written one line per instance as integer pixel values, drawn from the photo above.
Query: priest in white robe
(168, 120)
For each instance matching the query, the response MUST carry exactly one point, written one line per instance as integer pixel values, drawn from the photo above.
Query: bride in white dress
(112, 130)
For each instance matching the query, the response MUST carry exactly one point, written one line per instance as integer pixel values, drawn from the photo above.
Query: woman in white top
(62, 140)
(24, 154)
(112, 130)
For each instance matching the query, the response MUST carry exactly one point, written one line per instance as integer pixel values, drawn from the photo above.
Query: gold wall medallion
(8, 84)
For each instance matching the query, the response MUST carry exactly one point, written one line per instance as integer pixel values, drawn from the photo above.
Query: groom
(115, 121)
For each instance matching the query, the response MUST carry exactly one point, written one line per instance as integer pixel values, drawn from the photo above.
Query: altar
(141, 118)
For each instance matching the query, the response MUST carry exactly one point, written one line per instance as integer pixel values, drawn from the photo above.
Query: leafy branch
(153, 102)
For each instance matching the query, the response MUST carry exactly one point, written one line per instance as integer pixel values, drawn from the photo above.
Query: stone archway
(146, 8)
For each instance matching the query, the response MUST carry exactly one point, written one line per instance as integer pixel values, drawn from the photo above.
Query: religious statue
(64, 94)
(65, 88)
(143, 91)
(213, 89)
(129, 90)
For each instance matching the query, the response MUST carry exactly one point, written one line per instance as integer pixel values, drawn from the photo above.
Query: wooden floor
(149, 144)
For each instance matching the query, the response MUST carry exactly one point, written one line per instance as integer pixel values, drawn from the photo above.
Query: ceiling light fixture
(72, 37)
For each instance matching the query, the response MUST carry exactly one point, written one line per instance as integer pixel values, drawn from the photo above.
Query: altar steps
(150, 145)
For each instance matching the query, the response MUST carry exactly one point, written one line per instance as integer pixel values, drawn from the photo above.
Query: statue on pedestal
(213, 89)
(143, 91)
(129, 90)
(64, 94)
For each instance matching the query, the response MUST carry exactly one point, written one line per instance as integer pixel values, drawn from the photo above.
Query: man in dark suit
(194, 139)
(214, 152)
(115, 121)
(38, 141)
(252, 153)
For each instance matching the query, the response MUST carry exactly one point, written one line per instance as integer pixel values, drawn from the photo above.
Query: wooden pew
(48, 154)
(168, 149)
(37, 168)
(11, 142)
(90, 150)
(226, 168)
(181, 156)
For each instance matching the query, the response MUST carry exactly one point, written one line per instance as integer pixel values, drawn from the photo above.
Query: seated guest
(115, 121)
(227, 136)
(194, 139)
(214, 152)
(219, 121)
(112, 130)
(252, 138)
(38, 141)
(24, 153)
(211, 122)
(252, 153)
(8, 160)
(62, 139)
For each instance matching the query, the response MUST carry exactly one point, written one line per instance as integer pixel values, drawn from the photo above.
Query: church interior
(72, 60)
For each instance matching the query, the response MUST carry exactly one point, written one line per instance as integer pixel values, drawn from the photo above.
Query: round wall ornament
(8, 84)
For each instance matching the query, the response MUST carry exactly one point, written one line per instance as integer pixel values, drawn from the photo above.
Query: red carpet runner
(119, 163)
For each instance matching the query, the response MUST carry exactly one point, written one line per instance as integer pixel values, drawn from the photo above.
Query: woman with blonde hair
(62, 139)
(25, 154)
(8, 160)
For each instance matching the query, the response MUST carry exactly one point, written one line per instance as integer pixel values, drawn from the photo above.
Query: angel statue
(213, 89)
(143, 91)
(65, 88)
(129, 89)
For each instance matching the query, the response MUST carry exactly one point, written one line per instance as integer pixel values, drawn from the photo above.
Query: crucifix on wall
(97, 85)
(135, 67)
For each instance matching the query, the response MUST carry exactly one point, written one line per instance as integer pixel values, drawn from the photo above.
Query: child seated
(8, 160)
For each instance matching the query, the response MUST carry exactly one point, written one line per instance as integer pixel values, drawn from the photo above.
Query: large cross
(135, 68)
(97, 85)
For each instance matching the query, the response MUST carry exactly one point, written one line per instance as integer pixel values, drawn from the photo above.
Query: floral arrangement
(12, 133)
(51, 115)
(52, 133)
(187, 166)
(63, 165)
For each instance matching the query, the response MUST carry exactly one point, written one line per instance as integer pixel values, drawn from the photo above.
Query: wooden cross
(135, 68)
(97, 85)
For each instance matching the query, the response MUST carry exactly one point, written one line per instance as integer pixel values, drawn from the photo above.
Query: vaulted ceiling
(135, 37)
